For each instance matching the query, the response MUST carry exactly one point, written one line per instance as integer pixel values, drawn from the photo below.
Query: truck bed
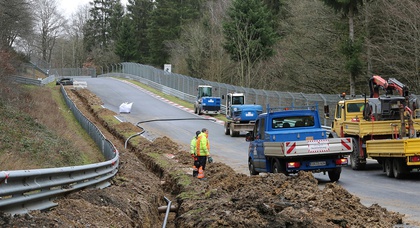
(393, 147)
(364, 128)
(309, 147)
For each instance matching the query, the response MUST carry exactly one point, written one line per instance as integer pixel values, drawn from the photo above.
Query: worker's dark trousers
(202, 160)
(195, 167)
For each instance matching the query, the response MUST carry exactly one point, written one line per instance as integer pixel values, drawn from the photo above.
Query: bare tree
(199, 52)
(50, 24)
(309, 58)
(395, 40)
(76, 34)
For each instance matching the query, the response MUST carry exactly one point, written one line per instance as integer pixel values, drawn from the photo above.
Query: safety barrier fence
(25, 190)
(66, 72)
(185, 87)
(23, 80)
(39, 81)
(31, 81)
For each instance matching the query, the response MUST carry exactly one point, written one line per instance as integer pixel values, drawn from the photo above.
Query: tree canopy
(322, 46)
(249, 35)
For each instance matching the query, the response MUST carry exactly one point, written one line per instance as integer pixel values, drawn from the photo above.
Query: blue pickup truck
(289, 140)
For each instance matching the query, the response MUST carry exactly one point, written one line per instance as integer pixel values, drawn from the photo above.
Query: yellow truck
(381, 127)
(369, 119)
(397, 156)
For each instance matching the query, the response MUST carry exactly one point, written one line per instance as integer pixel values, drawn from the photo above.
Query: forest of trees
(309, 46)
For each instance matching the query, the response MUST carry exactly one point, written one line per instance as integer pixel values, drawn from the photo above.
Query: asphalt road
(372, 186)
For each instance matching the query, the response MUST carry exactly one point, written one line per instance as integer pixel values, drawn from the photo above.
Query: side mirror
(223, 96)
(326, 111)
(249, 136)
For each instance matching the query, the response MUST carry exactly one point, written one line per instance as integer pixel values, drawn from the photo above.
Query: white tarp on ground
(80, 84)
(126, 107)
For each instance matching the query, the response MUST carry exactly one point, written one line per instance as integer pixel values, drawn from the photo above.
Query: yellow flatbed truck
(397, 156)
(381, 122)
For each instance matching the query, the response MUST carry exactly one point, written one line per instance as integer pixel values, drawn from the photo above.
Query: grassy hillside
(38, 130)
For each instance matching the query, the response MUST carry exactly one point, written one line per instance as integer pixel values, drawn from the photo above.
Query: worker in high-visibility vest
(203, 151)
(193, 149)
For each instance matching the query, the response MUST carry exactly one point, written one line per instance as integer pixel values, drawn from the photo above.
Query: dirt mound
(150, 171)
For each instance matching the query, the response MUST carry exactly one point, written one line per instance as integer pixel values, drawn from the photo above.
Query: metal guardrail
(25, 190)
(31, 81)
(23, 80)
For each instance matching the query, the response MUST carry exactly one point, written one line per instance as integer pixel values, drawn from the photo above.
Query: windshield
(355, 107)
(237, 100)
(292, 122)
(205, 92)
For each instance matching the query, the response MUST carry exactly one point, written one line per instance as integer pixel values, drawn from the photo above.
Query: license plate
(318, 163)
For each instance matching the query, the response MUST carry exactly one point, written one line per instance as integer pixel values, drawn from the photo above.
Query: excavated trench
(169, 188)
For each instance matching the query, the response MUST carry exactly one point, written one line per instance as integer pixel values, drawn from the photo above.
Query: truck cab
(347, 110)
(232, 101)
(240, 116)
(206, 103)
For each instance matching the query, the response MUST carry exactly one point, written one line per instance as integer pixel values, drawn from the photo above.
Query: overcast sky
(70, 6)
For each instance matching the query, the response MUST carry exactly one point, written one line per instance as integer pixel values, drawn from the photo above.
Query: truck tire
(398, 168)
(251, 167)
(234, 133)
(278, 168)
(227, 130)
(334, 174)
(356, 164)
(388, 167)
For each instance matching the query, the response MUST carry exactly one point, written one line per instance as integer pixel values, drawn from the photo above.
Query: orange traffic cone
(200, 173)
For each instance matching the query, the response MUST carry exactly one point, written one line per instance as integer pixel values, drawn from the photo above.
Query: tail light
(293, 165)
(415, 159)
(341, 161)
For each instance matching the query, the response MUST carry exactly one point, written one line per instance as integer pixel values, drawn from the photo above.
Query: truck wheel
(251, 167)
(227, 130)
(354, 156)
(334, 174)
(398, 168)
(388, 167)
(234, 133)
(278, 168)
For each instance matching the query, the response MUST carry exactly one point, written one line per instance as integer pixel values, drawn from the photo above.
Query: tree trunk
(351, 36)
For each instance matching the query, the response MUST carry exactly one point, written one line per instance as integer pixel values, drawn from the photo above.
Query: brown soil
(151, 171)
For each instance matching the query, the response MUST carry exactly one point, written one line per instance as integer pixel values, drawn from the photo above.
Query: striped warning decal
(346, 142)
(290, 147)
